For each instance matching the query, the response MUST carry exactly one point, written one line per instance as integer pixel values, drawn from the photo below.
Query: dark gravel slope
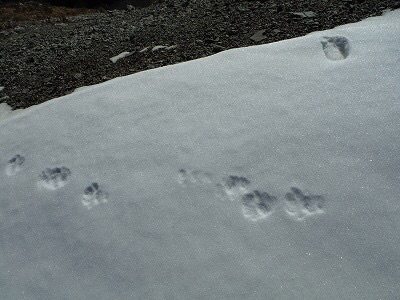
(42, 60)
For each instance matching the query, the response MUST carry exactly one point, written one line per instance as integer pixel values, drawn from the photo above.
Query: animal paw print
(258, 205)
(234, 187)
(15, 165)
(335, 47)
(55, 178)
(186, 177)
(93, 196)
(301, 205)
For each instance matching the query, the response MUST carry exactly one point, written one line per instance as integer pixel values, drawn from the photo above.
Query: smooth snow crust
(267, 172)
(6, 111)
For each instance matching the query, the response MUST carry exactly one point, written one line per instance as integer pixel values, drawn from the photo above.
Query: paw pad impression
(15, 165)
(301, 205)
(55, 178)
(93, 196)
(335, 47)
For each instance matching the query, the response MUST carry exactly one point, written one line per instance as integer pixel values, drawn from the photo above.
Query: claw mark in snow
(14, 165)
(335, 47)
(93, 196)
(301, 205)
(55, 178)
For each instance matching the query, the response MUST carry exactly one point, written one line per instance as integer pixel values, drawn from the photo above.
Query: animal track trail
(256, 205)
(15, 165)
(93, 196)
(335, 47)
(300, 205)
(53, 179)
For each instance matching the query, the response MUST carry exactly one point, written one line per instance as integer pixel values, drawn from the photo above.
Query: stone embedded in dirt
(243, 9)
(19, 29)
(304, 14)
(30, 60)
(211, 40)
(231, 32)
(280, 8)
(259, 36)
(217, 48)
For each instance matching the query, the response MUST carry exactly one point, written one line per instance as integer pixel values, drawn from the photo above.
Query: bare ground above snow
(47, 52)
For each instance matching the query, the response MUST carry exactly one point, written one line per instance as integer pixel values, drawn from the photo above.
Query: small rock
(304, 14)
(19, 29)
(4, 33)
(217, 48)
(280, 8)
(231, 32)
(243, 9)
(211, 40)
(30, 60)
(78, 75)
(258, 36)
(30, 44)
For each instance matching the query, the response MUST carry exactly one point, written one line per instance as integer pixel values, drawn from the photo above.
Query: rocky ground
(46, 58)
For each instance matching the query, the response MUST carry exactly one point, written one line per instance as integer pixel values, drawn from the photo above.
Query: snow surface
(159, 47)
(116, 58)
(268, 172)
(6, 111)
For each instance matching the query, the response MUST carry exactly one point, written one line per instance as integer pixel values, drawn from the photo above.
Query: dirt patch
(11, 13)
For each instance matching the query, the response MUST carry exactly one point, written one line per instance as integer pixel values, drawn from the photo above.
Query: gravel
(45, 59)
